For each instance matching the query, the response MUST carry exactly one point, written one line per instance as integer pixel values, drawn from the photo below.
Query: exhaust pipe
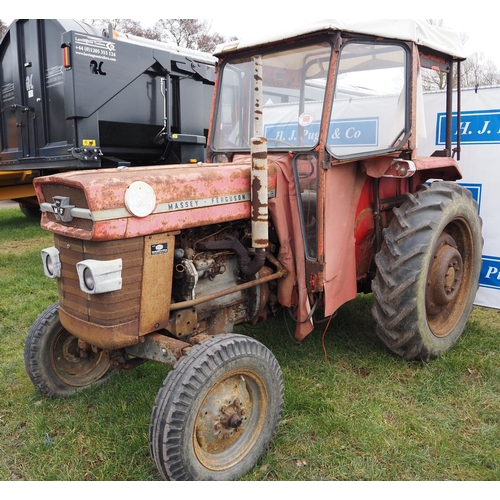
(259, 207)
(259, 196)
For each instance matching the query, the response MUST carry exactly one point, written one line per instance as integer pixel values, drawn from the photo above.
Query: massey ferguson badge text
(219, 200)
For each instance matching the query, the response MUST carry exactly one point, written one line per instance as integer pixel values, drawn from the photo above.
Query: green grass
(352, 413)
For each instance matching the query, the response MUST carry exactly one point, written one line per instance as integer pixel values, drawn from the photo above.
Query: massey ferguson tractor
(313, 190)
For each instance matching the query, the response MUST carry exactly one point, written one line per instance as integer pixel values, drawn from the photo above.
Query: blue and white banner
(490, 273)
(348, 133)
(479, 131)
(476, 127)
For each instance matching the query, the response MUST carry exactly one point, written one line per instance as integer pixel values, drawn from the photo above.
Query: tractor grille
(107, 309)
(77, 198)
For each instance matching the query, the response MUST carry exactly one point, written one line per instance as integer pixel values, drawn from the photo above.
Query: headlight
(100, 276)
(140, 199)
(88, 278)
(51, 262)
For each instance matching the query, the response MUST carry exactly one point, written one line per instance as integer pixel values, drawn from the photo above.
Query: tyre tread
(36, 357)
(32, 344)
(172, 401)
(399, 265)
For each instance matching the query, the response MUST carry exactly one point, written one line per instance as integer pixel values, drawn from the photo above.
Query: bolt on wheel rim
(449, 278)
(230, 420)
(74, 367)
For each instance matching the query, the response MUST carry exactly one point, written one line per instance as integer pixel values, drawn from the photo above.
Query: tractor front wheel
(55, 362)
(217, 411)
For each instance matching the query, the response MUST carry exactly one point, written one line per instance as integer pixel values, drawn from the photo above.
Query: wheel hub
(231, 417)
(445, 276)
(72, 365)
(230, 420)
(69, 349)
(223, 415)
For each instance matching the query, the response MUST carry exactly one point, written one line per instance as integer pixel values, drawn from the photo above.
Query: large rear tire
(428, 271)
(217, 411)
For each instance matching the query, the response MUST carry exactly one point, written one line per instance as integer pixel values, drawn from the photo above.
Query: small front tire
(217, 411)
(54, 361)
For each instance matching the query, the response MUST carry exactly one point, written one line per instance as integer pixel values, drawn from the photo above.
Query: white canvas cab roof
(422, 33)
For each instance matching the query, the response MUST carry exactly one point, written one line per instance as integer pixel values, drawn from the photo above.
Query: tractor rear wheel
(428, 271)
(217, 411)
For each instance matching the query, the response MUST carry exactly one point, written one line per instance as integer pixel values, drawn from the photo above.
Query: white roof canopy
(410, 30)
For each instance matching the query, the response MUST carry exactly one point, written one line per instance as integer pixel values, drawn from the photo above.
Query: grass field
(352, 412)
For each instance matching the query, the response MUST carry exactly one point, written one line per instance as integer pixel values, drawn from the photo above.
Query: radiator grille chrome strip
(174, 206)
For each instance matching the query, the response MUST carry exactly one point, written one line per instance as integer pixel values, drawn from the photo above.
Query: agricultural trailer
(77, 97)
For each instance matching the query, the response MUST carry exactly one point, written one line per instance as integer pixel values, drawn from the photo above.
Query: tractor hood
(111, 204)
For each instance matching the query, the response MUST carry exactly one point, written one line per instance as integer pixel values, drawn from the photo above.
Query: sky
(243, 18)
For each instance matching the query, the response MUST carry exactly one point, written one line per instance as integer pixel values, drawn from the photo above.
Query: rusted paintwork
(109, 320)
(186, 196)
(183, 322)
(105, 337)
(259, 193)
(259, 181)
(258, 102)
(445, 276)
(157, 274)
(438, 167)
(75, 365)
(232, 416)
(449, 277)
(160, 348)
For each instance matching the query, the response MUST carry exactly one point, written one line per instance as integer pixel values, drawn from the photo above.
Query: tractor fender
(428, 167)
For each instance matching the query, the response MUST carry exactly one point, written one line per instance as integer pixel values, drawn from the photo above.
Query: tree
(3, 28)
(189, 33)
(130, 26)
(475, 71)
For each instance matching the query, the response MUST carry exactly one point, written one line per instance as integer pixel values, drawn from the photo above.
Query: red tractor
(313, 191)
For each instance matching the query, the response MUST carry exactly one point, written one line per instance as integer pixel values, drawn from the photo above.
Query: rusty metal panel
(441, 167)
(104, 337)
(259, 211)
(158, 347)
(344, 185)
(106, 309)
(184, 322)
(186, 196)
(156, 282)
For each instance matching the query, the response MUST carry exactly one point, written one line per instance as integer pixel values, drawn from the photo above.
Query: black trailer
(77, 97)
